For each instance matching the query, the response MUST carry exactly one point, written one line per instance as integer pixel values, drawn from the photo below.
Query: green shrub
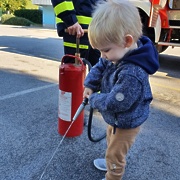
(34, 15)
(12, 20)
(5, 17)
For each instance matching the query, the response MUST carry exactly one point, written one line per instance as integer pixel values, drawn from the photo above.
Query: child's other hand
(87, 92)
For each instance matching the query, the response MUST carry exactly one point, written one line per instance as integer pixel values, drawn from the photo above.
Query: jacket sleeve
(94, 77)
(64, 9)
(125, 94)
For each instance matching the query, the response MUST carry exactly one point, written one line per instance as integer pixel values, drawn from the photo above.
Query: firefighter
(75, 15)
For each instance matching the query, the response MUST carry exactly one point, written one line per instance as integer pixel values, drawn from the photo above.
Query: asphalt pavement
(31, 147)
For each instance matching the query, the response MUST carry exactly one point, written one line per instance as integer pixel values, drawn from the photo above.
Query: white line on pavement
(8, 96)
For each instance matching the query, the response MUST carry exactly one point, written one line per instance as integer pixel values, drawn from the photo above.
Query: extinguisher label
(64, 110)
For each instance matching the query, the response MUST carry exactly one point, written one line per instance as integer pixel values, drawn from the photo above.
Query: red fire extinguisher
(71, 79)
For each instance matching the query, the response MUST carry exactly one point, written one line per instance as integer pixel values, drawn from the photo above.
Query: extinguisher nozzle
(80, 109)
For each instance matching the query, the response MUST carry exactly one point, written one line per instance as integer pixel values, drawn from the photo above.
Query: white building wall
(42, 2)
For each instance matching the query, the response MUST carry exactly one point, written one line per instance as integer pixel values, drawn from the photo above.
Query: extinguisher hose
(90, 127)
(88, 63)
(91, 115)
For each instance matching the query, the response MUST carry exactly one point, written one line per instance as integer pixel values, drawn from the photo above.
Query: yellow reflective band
(81, 20)
(58, 20)
(73, 45)
(84, 19)
(64, 6)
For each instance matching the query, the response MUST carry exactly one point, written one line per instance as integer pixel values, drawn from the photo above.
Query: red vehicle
(161, 21)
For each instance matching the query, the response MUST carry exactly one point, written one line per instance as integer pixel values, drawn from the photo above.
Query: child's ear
(128, 40)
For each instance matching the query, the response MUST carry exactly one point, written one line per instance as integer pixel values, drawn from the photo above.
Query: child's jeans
(118, 145)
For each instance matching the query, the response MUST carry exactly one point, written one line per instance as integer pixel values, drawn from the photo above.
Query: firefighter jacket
(68, 12)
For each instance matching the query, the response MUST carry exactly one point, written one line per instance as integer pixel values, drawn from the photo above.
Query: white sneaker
(100, 164)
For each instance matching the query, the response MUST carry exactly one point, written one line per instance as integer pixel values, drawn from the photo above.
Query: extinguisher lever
(80, 109)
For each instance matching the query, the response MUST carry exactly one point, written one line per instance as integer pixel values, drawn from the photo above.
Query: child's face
(113, 52)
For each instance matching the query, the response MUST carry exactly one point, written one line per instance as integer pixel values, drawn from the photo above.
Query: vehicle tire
(160, 48)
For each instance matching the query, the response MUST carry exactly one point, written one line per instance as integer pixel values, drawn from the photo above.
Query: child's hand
(87, 92)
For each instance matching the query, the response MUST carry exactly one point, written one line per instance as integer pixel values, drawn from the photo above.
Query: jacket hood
(145, 56)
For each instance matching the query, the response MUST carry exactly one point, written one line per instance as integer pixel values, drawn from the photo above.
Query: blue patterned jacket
(125, 93)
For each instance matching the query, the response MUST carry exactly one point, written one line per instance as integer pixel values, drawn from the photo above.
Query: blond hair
(112, 21)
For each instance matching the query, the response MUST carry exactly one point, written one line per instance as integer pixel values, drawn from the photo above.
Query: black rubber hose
(88, 63)
(91, 114)
(90, 127)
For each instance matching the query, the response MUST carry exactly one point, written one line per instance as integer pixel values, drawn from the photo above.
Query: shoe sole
(100, 165)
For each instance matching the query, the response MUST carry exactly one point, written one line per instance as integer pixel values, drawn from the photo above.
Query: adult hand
(76, 29)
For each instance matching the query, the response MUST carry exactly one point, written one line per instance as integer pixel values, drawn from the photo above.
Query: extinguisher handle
(72, 56)
(85, 30)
